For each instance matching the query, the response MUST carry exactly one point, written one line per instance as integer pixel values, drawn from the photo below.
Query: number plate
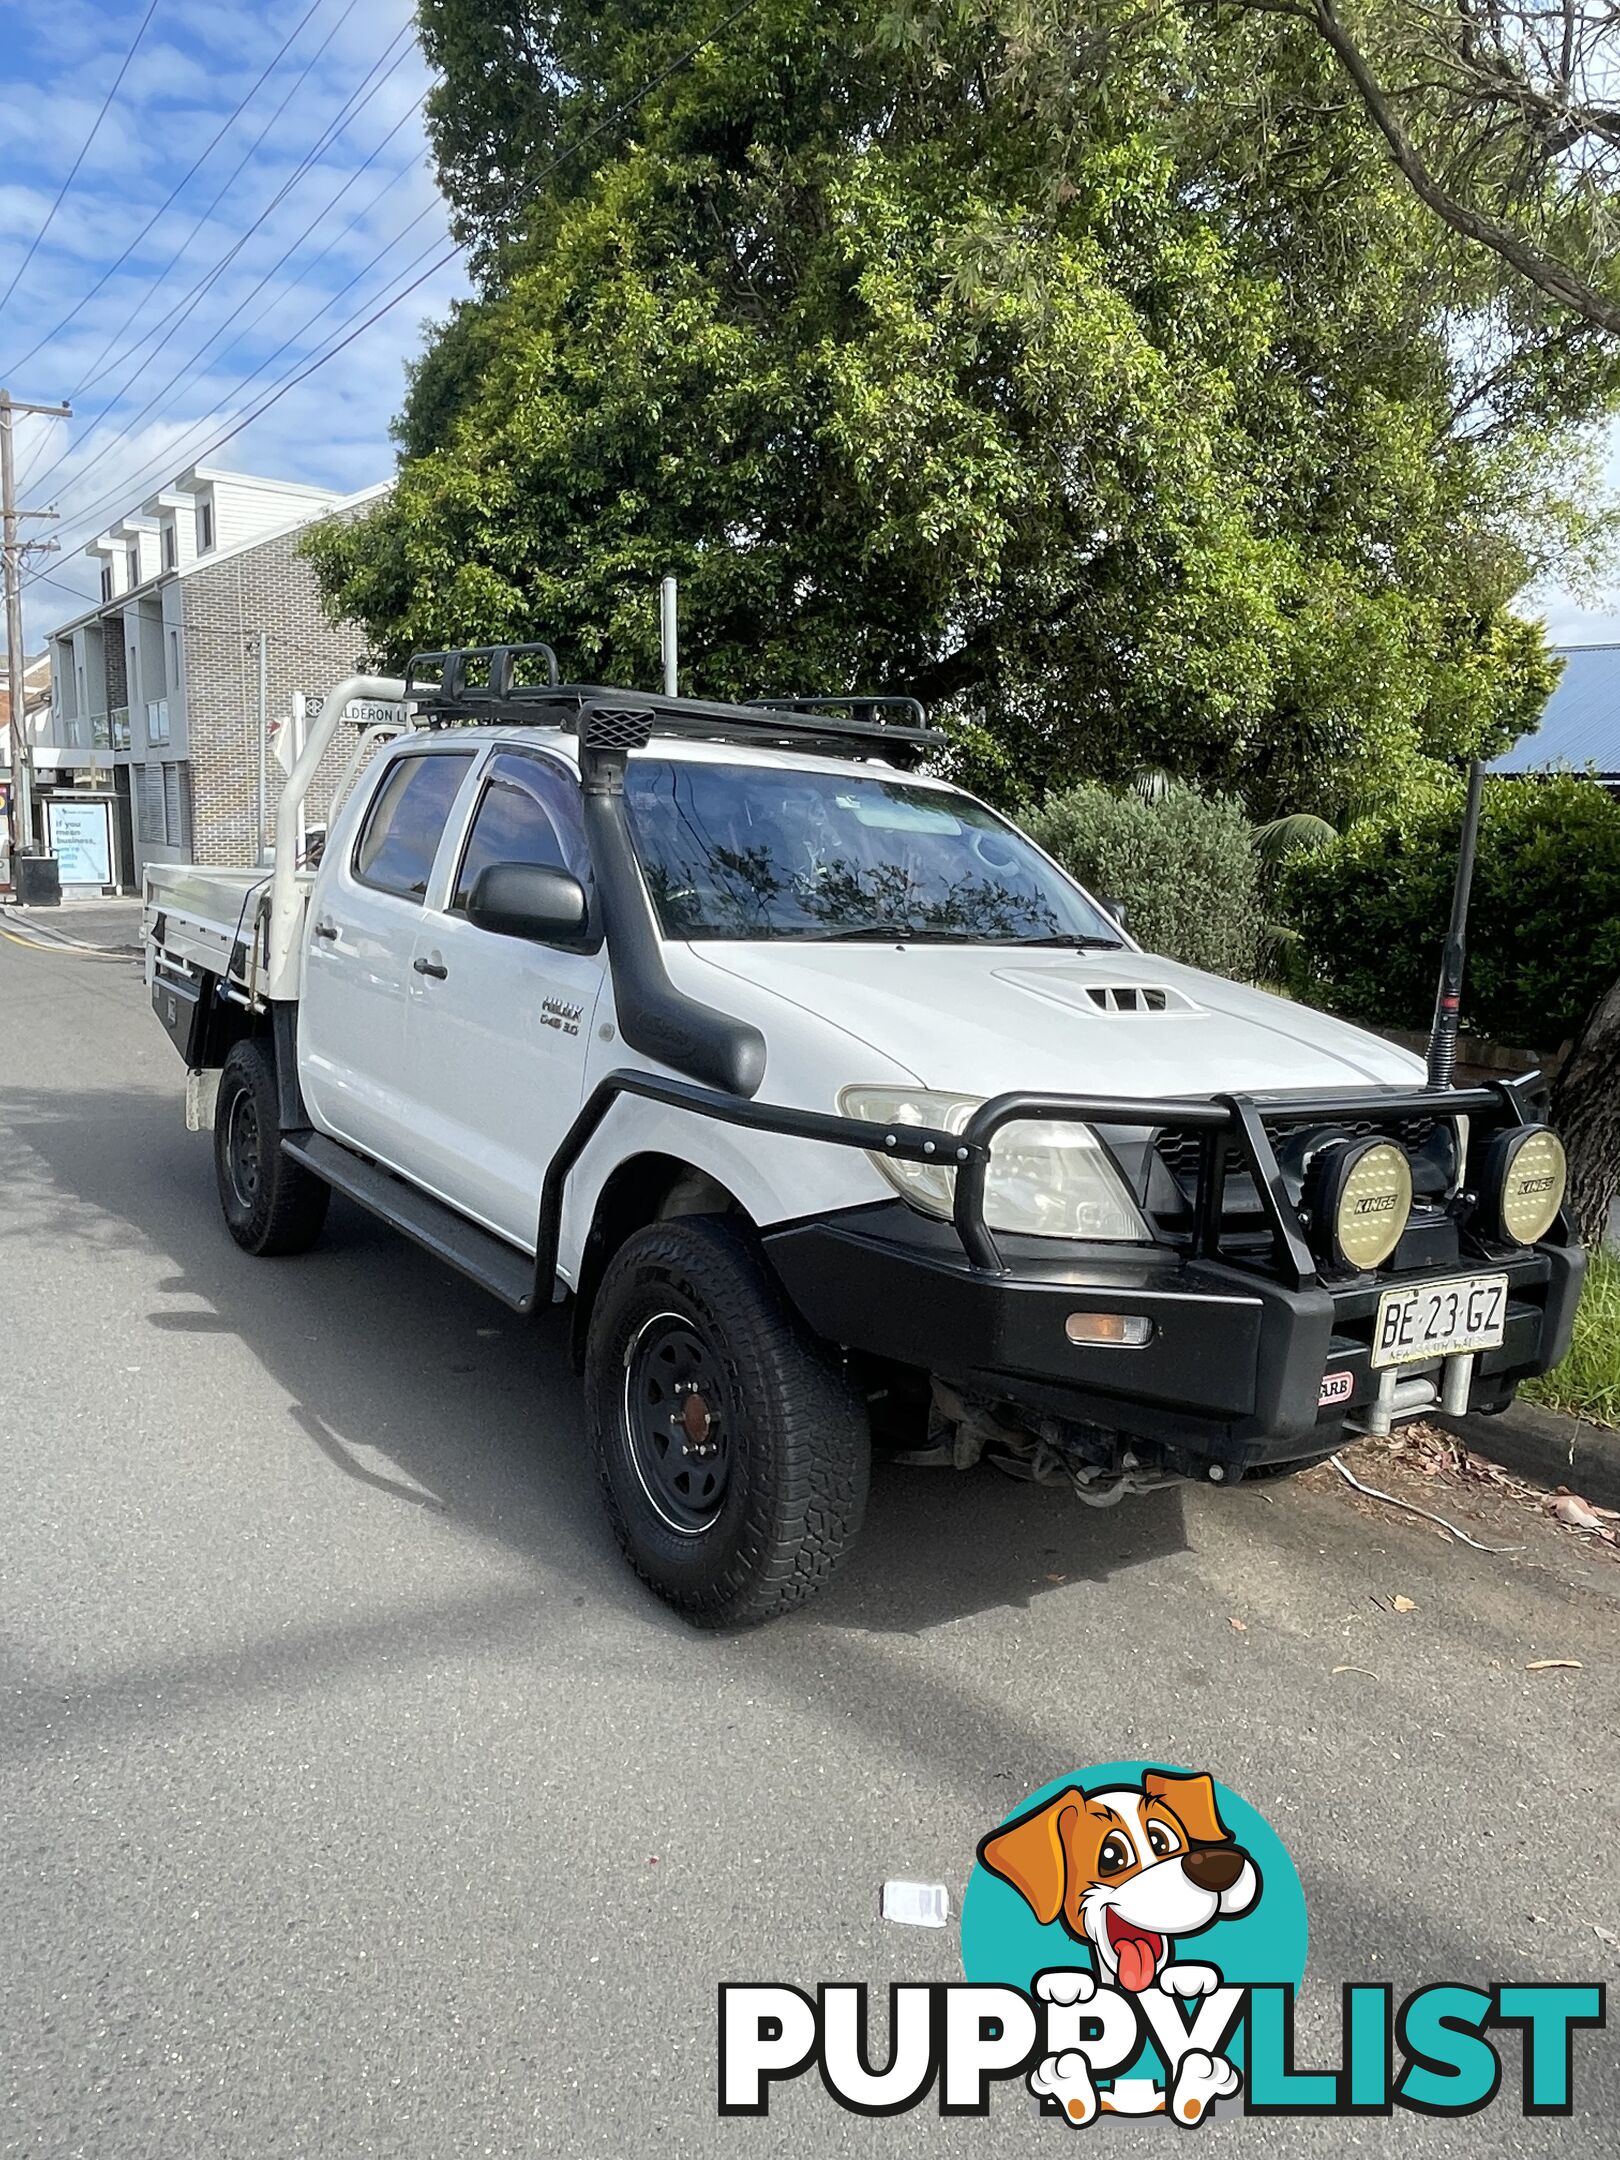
(1433, 1320)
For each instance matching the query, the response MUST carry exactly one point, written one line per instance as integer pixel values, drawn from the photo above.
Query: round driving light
(1526, 1175)
(1361, 1198)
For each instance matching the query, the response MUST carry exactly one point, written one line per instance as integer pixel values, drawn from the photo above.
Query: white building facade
(157, 689)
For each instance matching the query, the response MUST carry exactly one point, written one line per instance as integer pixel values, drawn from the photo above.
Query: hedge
(1543, 933)
(1184, 865)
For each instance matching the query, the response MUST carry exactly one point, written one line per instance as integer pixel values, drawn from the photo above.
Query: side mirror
(1116, 908)
(530, 900)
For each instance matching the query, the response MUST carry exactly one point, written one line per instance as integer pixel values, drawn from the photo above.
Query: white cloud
(342, 231)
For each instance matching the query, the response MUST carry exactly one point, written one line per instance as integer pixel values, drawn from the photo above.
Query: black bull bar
(1226, 1126)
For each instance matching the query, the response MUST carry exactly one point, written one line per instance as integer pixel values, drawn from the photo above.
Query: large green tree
(1088, 367)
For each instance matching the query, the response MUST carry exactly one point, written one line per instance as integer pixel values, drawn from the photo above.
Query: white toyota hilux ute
(836, 1113)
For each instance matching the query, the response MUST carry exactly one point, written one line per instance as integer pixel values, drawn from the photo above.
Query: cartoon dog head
(1127, 1870)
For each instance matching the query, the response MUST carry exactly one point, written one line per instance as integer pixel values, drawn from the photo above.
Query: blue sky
(330, 215)
(306, 217)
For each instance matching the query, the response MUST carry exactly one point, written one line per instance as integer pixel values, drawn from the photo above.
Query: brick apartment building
(156, 690)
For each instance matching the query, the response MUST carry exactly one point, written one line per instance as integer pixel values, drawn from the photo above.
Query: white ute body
(465, 1084)
(850, 1122)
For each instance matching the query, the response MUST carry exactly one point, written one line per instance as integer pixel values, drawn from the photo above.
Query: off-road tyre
(696, 1296)
(271, 1204)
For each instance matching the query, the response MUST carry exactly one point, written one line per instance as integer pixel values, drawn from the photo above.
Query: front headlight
(1047, 1179)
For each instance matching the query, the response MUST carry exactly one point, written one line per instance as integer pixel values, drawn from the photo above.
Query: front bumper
(1234, 1368)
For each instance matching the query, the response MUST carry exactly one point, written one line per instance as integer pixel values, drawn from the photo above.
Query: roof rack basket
(501, 685)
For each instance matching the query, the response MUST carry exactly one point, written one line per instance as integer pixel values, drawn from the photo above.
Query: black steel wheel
(271, 1204)
(678, 1424)
(732, 1451)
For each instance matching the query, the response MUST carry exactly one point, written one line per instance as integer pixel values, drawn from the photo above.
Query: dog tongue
(1135, 1953)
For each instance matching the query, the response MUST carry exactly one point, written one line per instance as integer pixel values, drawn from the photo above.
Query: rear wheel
(732, 1451)
(271, 1204)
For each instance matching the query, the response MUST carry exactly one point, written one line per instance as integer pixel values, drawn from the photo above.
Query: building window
(106, 581)
(171, 546)
(176, 806)
(150, 805)
(205, 526)
(132, 560)
(173, 683)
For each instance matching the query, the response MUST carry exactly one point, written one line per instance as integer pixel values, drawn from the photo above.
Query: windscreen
(738, 851)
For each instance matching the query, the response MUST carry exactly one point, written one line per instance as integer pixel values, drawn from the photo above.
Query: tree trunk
(1586, 1111)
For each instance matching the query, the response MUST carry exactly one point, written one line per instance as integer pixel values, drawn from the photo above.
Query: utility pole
(264, 737)
(667, 595)
(22, 804)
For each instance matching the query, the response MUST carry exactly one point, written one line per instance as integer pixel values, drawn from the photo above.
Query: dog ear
(1030, 1854)
(1192, 1801)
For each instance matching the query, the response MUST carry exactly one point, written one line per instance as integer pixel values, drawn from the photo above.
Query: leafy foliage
(1183, 864)
(1503, 119)
(1587, 1382)
(1544, 928)
(969, 347)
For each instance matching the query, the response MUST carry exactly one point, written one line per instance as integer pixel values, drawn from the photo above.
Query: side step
(493, 1264)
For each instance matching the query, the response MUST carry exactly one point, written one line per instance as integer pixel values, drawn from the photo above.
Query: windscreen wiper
(898, 932)
(1074, 941)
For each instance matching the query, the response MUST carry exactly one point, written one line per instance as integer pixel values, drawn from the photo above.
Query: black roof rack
(480, 673)
(482, 684)
(883, 701)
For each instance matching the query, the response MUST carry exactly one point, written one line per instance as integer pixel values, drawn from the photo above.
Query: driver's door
(498, 1028)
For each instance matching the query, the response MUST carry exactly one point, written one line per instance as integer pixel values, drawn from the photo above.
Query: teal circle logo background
(1002, 1940)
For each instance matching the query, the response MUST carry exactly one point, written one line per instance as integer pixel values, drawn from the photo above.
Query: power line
(168, 461)
(188, 303)
(84, 150)
(97, 367)
(359, 217)
(43, 577)
(184, 181)
(291, 381)
(187, 366)
(192, 299)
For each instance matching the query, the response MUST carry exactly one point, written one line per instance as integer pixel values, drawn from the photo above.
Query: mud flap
(202, 1094)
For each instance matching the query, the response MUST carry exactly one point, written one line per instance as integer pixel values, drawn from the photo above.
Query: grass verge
(1587, 1383)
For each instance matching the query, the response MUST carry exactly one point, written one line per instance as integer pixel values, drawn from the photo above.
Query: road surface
(356, 1800)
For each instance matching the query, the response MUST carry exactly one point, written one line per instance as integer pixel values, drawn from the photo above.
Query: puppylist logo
(1132, 1940)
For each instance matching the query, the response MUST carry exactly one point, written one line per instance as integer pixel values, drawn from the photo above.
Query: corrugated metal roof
(1581, 724)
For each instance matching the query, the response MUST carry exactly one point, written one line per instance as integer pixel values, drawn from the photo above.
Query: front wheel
(271, 1204)
(732, 1451)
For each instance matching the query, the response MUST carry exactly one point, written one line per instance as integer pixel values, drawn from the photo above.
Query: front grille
(1180, 1151)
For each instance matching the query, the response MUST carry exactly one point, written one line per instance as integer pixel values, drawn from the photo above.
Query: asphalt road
(356, 1799)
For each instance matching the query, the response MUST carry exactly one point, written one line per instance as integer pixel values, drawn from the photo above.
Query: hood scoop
(1117, 997)
(1097, 993)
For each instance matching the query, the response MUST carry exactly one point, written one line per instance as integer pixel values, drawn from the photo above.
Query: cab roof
(563, 744)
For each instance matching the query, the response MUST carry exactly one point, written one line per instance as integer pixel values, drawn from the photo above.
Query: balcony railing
(118, 720)
(100, 731)
(157, 722)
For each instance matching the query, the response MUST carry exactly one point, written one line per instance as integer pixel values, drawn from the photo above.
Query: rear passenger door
(365, 912)
(499, 1028)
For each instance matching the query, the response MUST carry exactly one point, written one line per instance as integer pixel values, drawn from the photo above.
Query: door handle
(430, 967)
(326, 930)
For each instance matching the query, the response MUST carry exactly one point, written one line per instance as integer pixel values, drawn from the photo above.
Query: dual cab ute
(837, 1114)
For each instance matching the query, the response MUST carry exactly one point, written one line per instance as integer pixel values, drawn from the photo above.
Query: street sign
(360, 712)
